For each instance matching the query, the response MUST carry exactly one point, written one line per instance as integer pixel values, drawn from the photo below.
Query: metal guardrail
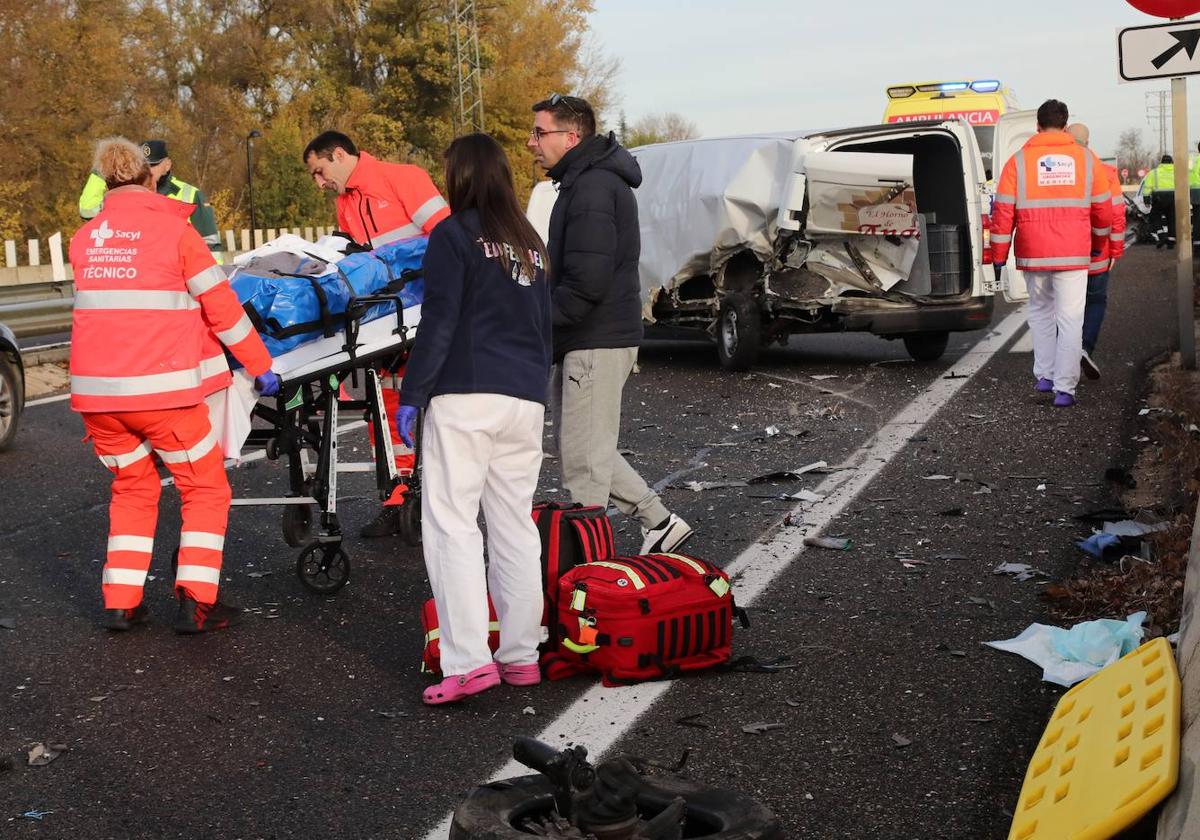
(33, 309)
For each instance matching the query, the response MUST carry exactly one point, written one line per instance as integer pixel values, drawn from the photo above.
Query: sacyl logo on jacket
(102, 234)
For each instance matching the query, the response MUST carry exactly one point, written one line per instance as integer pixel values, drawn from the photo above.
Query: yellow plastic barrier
(1109, 754)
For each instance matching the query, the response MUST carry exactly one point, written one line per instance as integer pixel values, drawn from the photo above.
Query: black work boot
(383, 525)
(194, 617)
(125, 619)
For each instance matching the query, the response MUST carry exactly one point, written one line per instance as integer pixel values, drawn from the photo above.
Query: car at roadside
(12, 386)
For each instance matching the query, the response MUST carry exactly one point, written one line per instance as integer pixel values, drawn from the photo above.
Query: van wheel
(926, 346)
(12, 398)
(739, 332)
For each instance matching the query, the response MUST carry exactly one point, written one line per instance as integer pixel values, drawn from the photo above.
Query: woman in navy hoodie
(479, 369)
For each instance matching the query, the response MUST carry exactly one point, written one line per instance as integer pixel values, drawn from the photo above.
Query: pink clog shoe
(529, 674)
(460, 686)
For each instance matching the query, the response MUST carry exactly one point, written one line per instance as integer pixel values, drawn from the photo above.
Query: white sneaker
(1090, 369)
(666, 537)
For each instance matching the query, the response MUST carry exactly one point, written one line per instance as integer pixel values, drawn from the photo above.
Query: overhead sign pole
(1162, 51)
(1184, 285)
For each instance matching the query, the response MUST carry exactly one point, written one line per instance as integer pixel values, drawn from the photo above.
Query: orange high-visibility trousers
(390, 385)
(182, 438)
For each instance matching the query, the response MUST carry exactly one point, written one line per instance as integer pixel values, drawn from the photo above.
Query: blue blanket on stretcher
(291, 304)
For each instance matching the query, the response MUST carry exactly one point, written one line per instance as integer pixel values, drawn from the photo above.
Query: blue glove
(268, 384)
(406, 418)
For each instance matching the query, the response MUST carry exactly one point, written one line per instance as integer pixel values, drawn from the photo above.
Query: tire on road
(739, 331)
(489, 811)
(927, 346)
(12, 400)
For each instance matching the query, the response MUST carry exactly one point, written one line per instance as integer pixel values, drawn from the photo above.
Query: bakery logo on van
(887, 220)
(1056, 171)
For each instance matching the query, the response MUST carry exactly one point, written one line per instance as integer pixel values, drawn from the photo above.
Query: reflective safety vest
(1053, 194)
(1114, 247)
(384, 202)
(1161, 177)
(92, 197)
(202, 218)
(150, 308)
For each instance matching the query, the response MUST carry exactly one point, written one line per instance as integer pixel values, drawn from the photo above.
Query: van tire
(489, 811)
(12, 400)
(739, 332)
(927, 346)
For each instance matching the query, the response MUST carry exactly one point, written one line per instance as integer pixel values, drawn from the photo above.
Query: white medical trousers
(1056, 302)
(482, 449)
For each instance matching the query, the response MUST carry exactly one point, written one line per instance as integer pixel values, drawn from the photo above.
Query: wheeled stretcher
(303, 421)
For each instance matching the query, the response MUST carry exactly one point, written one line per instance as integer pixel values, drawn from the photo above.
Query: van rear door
(1012, 130)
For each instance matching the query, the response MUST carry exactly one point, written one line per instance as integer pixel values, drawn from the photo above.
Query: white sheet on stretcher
(230, 409)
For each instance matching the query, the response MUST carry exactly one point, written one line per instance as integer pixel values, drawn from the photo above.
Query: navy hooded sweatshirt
(484, 329)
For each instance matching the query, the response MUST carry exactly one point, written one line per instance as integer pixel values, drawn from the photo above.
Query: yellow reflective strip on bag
(687, 561)
(433, 635)
(575, 648)
(720, 587)
(493, 626)
(633, 576)
(578, 597)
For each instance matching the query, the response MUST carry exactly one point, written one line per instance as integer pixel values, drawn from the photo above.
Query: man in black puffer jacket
(596, 304)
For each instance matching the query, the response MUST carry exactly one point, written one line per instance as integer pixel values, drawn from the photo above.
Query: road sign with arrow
(1159, 51)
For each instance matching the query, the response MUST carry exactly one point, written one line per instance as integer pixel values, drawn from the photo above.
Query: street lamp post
(250, 176)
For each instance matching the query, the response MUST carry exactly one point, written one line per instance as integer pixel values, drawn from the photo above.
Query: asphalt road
(307, 721)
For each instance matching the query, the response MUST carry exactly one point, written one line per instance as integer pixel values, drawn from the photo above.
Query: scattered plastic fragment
(833, 543)
(529, 710)
(772, 431)
(1021, 571)
(936, 477)
(982, 602)
(1070, 655)
(41, 754)
(8, 624)
(901, 741)
(760, 728)
(1130, 528)
(35, 815)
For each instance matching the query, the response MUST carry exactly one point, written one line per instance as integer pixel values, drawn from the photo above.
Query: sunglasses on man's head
(557, 98)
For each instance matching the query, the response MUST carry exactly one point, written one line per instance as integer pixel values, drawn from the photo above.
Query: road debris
(35, 815)
(693, 720)
(8, 624)
(936, 477)
(41, 754)
(1070, 655)
(760, 728)
(529, 710)
(1021, 571)
(1098, 543)
(901, 741)
(832, 543)
(982, 602)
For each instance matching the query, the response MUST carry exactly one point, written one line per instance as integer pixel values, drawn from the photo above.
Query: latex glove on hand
(406, 419)
(268, 384)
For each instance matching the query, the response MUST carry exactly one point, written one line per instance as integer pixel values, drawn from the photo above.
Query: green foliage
(284, 193)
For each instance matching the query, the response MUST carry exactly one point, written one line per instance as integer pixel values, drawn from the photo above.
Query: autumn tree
(661, 128)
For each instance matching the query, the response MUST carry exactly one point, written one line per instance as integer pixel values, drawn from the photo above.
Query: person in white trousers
(1055, 314)
(479, 369)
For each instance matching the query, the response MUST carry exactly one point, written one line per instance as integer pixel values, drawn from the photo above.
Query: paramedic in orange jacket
(377, 203)
(1102, 263)
(1057, 200)
(148, 299)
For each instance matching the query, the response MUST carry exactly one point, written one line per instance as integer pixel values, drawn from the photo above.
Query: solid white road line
(45, 400)
(602, 715)
(1024, 344)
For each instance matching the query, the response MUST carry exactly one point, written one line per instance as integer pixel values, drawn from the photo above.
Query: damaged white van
(879, 229)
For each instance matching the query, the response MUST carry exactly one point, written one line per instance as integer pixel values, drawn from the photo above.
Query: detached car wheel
(12, 399)
(494, 812)
(926, 346)
(739, 332)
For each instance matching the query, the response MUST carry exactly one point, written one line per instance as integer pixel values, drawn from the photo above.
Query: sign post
(1161, 51)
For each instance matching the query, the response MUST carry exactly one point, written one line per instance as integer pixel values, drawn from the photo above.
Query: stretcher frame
(304, 417)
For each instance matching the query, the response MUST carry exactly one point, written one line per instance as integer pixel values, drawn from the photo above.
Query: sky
(736, 66)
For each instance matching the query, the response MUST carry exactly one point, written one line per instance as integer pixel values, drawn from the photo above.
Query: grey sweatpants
(585, 392)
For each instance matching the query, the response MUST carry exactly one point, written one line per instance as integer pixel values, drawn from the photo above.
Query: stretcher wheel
(297, 524)
(323, 568)
(272, 449)
(410, 521)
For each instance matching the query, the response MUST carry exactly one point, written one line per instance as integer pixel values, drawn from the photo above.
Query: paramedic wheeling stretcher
(149, 299)
(377, 203)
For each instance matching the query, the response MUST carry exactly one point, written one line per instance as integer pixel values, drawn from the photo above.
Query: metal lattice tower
(468, 75)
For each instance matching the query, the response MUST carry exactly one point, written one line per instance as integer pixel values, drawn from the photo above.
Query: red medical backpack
(431, 656)
(640, 618)
(571, 535)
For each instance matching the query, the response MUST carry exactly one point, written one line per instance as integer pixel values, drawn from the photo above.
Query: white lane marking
(1024, 344)
(259, 454)
(45, 400)
(602, 715)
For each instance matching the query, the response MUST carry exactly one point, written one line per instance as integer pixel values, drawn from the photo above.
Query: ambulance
(981, 102)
